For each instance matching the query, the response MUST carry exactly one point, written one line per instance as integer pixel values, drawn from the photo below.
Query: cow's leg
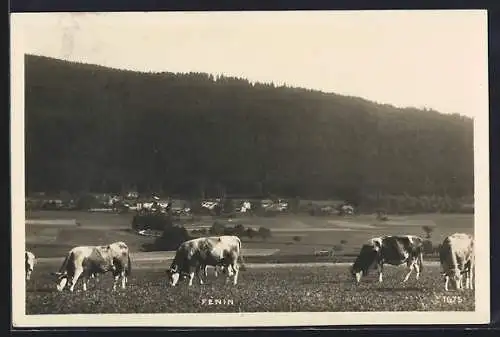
(84, 283)
(200, 271)
(216, 271)
(410, 266)
(124, 279)
(116, 278)
(446, 281)
(461, 274)
(417, 270)
(206, 271)
(62, 283)
(191, 277)
(236, 272)
(74, 279)
(380, 268)
(229, 272)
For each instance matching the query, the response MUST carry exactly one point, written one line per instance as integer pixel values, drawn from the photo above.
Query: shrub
(229, 231)
(217, 210)
(343, 242)
(228, 206)
(270, 212)
(297, 238)
(199, 232)
(264, 232)
(171, 238)
(87, 201)
(337, 248)
(251, 232)
(294, 205)
(428, 231)
(408, 204)
(152, 221)
(428, 247)
(312, 211)
(239, 230)
(217, 229)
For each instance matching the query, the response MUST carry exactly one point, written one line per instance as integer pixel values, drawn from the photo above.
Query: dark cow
(456, 256)
(193, 257)
(392, 250)
(88, 261)
(29, 263)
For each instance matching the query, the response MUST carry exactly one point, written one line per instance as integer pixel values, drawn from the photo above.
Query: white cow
(456, 255)
(29, 263)
(195, 255)
(88, 261)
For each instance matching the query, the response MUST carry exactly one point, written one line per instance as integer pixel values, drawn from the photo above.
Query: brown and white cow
(89, 261)
(393, 250)
(456, 255)
(29, 263)
(195, 255)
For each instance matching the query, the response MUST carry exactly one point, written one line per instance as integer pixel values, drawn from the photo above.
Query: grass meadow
(272, 289)
(262, 287)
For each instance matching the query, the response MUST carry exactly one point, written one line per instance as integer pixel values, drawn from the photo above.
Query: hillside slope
(90, 127)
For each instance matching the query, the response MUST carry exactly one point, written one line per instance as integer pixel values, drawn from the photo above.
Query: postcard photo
(298, 168)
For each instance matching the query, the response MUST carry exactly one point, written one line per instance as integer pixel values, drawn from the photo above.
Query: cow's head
(29, 265)
(455, 276)
(173, 275)
(61, 280)
(366, 258)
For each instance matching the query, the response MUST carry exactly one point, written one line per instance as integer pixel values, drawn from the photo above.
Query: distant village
(133, 201)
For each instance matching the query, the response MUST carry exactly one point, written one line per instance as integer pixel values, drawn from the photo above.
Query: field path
(286, 265)
(146, 260)
(163, 256)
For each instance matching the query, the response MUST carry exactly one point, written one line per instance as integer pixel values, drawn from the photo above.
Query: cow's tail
(421, 260)
(240, 256)
(129, 265)
(63, 270)
(420, 257)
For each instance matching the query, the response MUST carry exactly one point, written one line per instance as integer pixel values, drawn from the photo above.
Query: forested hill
(95, 128)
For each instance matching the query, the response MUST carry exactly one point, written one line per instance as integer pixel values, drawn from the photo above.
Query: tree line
(91, 128)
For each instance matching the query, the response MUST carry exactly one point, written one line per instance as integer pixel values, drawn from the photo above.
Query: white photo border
(481, 315)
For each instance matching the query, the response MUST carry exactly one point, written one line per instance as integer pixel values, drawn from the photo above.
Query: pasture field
(264, 288)
(292, 235)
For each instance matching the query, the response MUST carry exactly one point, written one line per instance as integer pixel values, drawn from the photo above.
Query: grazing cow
(89, 261)
(29, 263)
(195, 255)
(456, 255)
(393, 250)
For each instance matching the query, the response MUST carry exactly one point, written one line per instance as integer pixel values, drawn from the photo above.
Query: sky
(424, 59)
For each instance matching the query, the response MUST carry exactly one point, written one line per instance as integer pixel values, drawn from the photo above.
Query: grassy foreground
(283, 289)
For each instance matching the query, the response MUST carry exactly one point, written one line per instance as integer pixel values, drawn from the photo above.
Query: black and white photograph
(285, 168)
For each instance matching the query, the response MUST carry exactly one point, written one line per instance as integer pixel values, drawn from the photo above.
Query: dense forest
(91, 128)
